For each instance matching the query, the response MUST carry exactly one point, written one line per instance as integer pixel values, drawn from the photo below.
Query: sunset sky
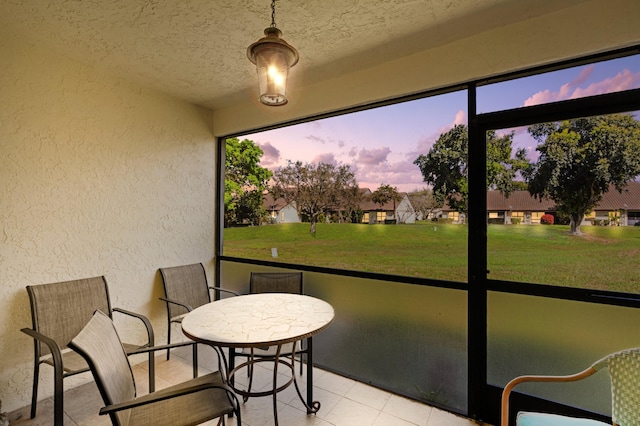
(381, 144)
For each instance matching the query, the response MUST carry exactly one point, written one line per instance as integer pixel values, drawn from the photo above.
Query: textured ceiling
(196, 49)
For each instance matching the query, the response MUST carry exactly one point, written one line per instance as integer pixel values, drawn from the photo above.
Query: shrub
(546, 219)
(515, 220)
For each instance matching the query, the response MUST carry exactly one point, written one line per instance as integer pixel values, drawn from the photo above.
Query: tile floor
(344, 402)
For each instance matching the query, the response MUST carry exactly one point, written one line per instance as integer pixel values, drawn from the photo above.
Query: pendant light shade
(273, 57)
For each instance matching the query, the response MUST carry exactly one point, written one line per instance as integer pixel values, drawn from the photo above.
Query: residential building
(279, 210)
(615, 208)
(393, 211)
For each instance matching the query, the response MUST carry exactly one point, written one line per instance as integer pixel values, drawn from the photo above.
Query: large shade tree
(444, 167)
(316, 188)
(581, 158)
(245, 182)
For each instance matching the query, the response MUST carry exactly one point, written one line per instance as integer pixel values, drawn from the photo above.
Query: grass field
(605, 258)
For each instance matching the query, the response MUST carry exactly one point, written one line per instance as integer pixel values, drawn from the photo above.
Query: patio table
(262, 320)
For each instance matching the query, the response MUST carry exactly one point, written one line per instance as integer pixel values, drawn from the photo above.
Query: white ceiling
(196, 49)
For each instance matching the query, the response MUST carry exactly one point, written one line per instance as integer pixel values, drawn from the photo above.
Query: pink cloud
(327, 158)
(271, 154)
(583, 76)
(461, 118)
(373, 156)
(624, 80)
(403, 175)
(316, 139)
(425, 143)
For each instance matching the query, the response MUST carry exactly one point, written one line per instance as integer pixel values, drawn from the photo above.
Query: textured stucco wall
(97, 177)
(590, 27)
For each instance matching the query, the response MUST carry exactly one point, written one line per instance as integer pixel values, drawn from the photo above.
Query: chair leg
(232, 364)
(250, 374)
(168, 338)
(58, 397)
(34, 392)
(152, 372)
(195, 360)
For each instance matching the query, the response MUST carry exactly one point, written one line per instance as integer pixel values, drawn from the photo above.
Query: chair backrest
(276, 282)
(61, 310)
(185, 284)
(624, 369)
(100, 345)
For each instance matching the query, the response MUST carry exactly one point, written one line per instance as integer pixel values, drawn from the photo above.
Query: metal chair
(624, 370)
(189, 403)
(272, 282)
(58, 312)
(185, 288)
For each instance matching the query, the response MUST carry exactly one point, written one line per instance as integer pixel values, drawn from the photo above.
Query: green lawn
(604, 258)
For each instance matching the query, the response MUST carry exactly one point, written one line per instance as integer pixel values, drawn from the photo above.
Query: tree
(423, 202)
(581, 158)
(445, 166)
(384, 194)
(245, 182)
(316, 189)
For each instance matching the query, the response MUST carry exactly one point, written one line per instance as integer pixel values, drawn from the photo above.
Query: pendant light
(273, 57)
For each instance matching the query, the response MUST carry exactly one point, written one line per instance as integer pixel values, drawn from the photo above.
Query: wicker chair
(624, 370)
(272, 282)
(185, 288)
(58, 312)
(189, 403)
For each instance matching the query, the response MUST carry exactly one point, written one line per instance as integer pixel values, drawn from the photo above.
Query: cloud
(461, 118)
(583, 76)
(373, 156)
(314, 138)
(624, 80)
(271, 154)
(323, 140)
(404, 175)
(425, 143)
(327, 158)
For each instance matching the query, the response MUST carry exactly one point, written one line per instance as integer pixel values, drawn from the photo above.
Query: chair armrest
(224, 290)
(161, 396)
(145, 321)
(521, 379)
(53, 346)
(179, 345)
(175, 302)
(159, 348)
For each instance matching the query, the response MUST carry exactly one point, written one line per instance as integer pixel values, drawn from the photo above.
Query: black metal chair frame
(177, 303)
(252, 290)
(56, 348)
(151, 398)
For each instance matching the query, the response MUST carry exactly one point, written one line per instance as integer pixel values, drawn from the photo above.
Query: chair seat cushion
(526, 418)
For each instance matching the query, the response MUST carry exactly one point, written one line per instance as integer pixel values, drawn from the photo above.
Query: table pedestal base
(312, 406)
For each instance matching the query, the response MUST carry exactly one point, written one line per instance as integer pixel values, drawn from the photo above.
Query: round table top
(255, 320)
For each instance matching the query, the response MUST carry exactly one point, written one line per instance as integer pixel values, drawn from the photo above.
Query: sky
(381, 144)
